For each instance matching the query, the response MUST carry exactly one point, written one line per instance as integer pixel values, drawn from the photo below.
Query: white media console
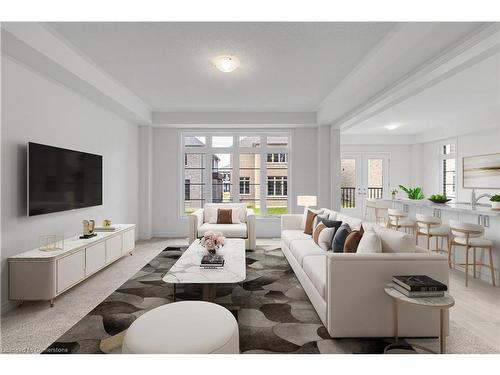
(43, 275)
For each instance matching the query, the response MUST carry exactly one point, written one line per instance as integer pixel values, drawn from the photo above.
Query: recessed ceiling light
(392, 126)
(226, 63)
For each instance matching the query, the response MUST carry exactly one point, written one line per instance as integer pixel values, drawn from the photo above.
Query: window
(187, 189)
(276, 186)
(230, 167)
(194, 182)
(448, 170)
(276, 158)
(245, 185)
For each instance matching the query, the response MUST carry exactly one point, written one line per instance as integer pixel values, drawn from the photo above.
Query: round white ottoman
(188, 327)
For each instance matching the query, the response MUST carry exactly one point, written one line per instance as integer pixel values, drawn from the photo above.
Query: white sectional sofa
(199, 224)
(347, 290)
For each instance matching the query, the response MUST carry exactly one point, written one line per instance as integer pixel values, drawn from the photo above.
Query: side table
(440, 303)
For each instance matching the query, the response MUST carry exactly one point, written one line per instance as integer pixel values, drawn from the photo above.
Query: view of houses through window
(449, 171)
(236, 169)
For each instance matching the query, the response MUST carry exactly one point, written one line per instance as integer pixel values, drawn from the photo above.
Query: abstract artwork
(481, 171)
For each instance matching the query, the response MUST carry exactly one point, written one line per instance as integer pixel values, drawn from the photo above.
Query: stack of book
(415, 286)
(212, 261)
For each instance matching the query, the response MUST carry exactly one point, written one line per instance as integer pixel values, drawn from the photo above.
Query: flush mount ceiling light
(226, 63)
(392, 126)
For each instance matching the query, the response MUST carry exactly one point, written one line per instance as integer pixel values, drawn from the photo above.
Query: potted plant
(413, 193)
(394, 191)
(495, 202)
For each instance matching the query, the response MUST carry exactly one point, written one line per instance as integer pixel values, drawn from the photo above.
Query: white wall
(484, 142)
(40, 110)
(167, 221)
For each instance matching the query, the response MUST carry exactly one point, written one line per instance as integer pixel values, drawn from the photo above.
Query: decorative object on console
(212, 241)
(51, 242)
(106, 223)
(340, 237)
(413, 193)
(88, 229)
(495, 202)
(481, 171)
(439, 198)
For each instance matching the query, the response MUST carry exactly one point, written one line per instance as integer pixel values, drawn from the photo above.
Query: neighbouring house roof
(193, 141)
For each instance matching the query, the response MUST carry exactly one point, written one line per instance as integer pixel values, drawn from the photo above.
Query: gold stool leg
(467, 265)
(474, 255)
(492, 269)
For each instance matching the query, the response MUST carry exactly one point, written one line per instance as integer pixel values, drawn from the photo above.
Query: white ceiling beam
(232, 119)
(35, 46)
(479, 46)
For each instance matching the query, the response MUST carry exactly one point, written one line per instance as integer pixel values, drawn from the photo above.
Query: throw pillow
(340, 237)
(331, 223)
(210, 215)
(325, 238)
(236, 215)
(224, 216)
(370, 243)
(308, 227)
(317, 231)
(317, 218)
(394, 241)
(352, 241)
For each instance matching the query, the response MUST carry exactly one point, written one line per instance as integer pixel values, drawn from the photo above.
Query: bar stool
(469, 235)
(374, 208)
(399, 219)
(431, 226)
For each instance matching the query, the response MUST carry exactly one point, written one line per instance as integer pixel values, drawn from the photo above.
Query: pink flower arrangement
(212, 241)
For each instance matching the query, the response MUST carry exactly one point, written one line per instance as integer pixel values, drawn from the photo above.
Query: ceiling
(469, 98)
(284, 66)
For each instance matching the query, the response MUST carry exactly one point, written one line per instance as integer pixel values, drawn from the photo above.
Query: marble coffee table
(187, 269)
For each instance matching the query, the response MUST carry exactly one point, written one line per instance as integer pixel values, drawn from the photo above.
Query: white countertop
(450, 206)
(71, 244)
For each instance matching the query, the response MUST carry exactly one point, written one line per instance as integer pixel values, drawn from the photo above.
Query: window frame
(235, 152)
(442, 158)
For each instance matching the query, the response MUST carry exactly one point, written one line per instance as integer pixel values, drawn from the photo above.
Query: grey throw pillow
(331, 223)
(340, 237)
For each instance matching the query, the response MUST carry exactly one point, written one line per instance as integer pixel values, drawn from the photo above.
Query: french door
(363, 175)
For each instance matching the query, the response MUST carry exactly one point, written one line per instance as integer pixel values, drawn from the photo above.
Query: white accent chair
(199, 224)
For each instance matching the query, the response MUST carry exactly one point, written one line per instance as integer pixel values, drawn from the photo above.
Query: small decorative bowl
(440, 201)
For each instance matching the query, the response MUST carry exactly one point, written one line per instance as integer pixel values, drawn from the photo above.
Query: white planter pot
(495, 205)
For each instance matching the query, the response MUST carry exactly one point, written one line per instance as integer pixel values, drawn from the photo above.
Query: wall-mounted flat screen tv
(61, 180)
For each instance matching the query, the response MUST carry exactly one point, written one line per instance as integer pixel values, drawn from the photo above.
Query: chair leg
(437, 244)
(466, 266)
(492, 269)
(448, 243)
(474, 255)
(428, 241)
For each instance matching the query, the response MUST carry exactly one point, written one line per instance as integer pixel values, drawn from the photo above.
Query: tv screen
(61, 180)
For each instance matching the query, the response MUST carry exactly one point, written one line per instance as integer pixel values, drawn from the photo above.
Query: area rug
(275, 314)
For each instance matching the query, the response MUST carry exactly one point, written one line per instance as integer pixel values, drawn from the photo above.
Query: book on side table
(418, 286)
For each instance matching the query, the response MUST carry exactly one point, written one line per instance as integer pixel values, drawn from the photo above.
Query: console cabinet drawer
(113, 248)
(70, 270)
(95, 258)
(128, 241)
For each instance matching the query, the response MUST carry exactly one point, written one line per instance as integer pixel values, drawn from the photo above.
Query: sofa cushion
(210, 211)
(369, 242)
(301, 249)
(352, 241)
(315, 269)
(290, 235)
(224, 216)
(394, 241)
(227, 230)
(340, 237)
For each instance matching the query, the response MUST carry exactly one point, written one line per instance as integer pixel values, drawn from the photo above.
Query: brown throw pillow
(352, 241)
(317, 231)
(224, 216)
(308, 229)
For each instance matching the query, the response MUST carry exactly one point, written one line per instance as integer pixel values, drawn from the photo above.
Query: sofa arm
(292, 221)
(195, 222)
(251, 232)
(357, 305)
